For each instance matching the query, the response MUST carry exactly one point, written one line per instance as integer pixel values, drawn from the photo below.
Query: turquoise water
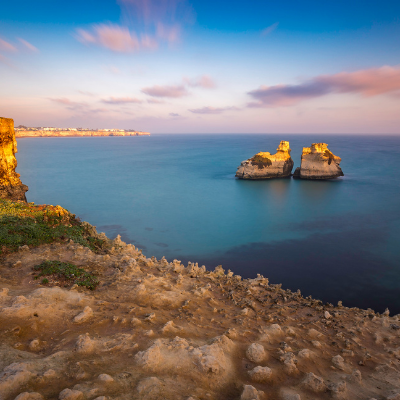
(176, 195)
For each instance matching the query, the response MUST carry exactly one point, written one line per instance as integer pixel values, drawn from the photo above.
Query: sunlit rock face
(267, 166)
(317, 162)
(11, 186)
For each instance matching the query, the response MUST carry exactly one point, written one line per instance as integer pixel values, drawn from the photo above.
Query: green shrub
(261, 161)
(28, 224)
(61, 271)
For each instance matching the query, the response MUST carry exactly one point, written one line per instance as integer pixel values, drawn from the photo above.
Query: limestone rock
(11, 186)
(260, 374)
(70, 394)
(255, 352)
(266, 166)
(314, 383)
(250, 393)
(84, 315)
(29, 396)
(317, 162)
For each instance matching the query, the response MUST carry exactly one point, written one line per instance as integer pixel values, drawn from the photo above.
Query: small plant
(329, 154)
(66, 272)
(28, 224)
(261, 161)
(45, 281)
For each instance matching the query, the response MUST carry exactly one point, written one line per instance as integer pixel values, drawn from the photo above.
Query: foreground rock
(317, 162)
(11, 186)
(267, 166)
(156, 329)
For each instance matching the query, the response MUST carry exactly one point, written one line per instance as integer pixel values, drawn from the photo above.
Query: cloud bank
(166, 91)
(212, 110)
(121, 100)
(369, 82)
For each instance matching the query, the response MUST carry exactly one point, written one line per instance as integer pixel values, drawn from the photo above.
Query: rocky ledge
(267, 166)
(157, 329)
(317, 162)
(11, 186)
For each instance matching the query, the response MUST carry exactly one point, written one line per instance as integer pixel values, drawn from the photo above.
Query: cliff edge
(317, 162)
(11, 186)
(265, 165)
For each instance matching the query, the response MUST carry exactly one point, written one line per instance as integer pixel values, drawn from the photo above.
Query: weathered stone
(255, 352)
(260, 374)
(250, 393)
(70, 394)
(314, 383)
(11, 186)
(29, 396)
(267, 166)
(317, 162)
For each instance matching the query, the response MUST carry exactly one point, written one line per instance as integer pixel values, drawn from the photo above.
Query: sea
(176, 195)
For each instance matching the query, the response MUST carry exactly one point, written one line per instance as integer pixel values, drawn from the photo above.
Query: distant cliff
(317, 162)
(267, 166)
(65, 133)
(11, 186)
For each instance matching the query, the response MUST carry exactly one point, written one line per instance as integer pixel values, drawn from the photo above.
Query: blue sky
(203, 66)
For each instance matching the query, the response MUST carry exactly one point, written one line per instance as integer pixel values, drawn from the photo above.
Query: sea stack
(11, 186)
(267, 166)
(317, 162)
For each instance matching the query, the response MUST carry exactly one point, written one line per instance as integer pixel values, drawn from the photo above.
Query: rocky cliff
(11, 186)
(266, 166)
(317, 162)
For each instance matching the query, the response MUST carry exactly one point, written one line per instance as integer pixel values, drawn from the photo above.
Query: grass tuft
(28, 224)
(261, 161)
(65, 272)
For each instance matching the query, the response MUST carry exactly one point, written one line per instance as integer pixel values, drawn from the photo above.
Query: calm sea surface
(176, 195)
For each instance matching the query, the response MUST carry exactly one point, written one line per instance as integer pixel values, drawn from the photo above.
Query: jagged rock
(29, 396)
(11, 186)
(105, 378)
(260, 374)
(250, 393)
(13, 377)
(266, 166)
(84, 315)
(338, 390)
(317, 162)
(255, 352)
(314, 383)
(70, 394)
(338, 362)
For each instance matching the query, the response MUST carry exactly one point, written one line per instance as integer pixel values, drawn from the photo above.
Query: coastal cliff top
(156, 329)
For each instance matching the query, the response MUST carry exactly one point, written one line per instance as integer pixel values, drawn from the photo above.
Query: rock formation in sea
(11, 186)
(267, 166)
(317, 162)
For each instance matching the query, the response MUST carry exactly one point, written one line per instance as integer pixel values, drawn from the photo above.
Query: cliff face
(11, 186)
(266, 166)
(317, 162)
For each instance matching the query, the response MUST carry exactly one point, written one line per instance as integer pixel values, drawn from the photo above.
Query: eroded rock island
(11, 186)
(265, 165)
(317, 162)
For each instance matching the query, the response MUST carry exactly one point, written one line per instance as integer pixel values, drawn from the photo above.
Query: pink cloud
(166, 91)
(122, 100)
(213, 110)
(170, 34)
(369, 82)
(5, 46)
(203, 81)
(155, 101)
(174, 115)
(29, 46)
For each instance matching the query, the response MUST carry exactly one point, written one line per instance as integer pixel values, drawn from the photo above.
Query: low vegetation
(64, 274)
(261, 161)
(29, 224)
(330, 155)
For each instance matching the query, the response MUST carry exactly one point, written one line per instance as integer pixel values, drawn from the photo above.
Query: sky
(201, 66)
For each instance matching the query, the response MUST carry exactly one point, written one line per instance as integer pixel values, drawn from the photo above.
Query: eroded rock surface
(11, 186)
(160, 330)
(267, 166)
(317, 162)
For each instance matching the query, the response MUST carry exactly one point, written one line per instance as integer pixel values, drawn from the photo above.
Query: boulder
(267, 166)
(317, 162)
(11, 187)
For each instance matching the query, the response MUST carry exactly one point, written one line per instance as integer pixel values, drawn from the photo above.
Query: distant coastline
(20, 133)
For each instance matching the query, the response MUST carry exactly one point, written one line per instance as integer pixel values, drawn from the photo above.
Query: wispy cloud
(6, 46)
(174, 115)
(166, 91)
(28, 45)
(85, 93)
(203, 81)
(121, 100)
(213, 110)
(269, 29)
(369, 82)
(155, 101)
